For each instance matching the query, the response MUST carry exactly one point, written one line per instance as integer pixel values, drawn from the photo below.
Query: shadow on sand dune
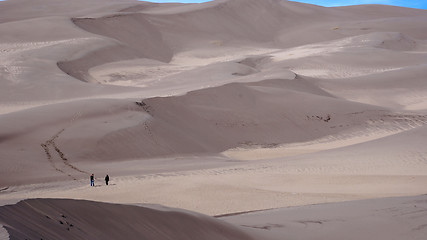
(78, 219)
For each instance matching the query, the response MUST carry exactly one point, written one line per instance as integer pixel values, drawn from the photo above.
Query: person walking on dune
(92, 180)
(107, 178)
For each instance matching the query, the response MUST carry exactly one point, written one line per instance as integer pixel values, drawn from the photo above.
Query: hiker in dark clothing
(107, 178)
(92, 180)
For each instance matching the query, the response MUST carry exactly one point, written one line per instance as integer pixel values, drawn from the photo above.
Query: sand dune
(136, 37)
(234, 115)
(72, 219)
(394, 218)
(220, 107)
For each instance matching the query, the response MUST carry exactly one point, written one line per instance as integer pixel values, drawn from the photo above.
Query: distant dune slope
(160, 31)
(211, 120)
(157, 33)
(253, 114)
(17, 10)
(136, 38)
(107, 31)
(78, 219)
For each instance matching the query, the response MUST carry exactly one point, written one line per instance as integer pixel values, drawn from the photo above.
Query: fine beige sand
(221, 107)
(387, 218)
(72, 219)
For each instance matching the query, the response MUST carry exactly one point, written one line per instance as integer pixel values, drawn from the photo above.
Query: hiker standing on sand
(92, 180)
(107, 178)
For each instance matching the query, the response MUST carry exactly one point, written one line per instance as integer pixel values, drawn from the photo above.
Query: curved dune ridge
(135, 36)
(79, 219)
(206, 121)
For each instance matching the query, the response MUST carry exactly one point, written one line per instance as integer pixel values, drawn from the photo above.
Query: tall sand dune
(206, 121)
(136, 38)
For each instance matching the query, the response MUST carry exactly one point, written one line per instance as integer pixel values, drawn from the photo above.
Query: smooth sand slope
(221, 107)
(392, 218)
(73, 219)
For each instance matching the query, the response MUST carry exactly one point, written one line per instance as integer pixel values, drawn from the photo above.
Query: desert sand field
(230, 119)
